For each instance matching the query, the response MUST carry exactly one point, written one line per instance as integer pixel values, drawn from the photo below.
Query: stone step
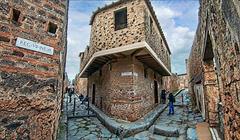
(166, 131)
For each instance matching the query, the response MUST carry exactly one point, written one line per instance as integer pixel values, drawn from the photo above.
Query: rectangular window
(52, 28)
(15, 15)
(120, 19)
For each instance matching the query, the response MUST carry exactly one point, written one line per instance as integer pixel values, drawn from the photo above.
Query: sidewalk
(128, 129)
(203, 131)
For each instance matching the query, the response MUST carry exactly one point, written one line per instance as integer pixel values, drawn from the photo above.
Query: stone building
(170, 83)
(32, 61)
(126, 59)
(182, 81)
(80, 85)
(175, 82)
(214, 66)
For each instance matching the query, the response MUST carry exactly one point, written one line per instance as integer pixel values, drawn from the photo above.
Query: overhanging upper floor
(142, 51)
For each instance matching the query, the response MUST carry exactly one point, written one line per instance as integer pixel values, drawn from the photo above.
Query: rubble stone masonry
(125, 87)
(31, 82)
(214, 62)
(104, 36)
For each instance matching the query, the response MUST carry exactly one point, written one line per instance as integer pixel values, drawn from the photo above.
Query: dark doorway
(156, 91)
(93, 93)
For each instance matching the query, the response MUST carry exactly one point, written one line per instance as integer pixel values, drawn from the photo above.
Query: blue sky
(178, 19)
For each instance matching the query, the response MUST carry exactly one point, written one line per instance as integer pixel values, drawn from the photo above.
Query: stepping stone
(166, 131)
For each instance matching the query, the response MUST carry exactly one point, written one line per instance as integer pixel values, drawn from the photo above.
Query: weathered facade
(214, 66)
(126, 59)
(170, 83)
(32, 61)
(182, 81)
(81, 86)
(175, 82)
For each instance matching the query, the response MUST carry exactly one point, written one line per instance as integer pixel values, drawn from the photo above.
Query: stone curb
(128, 129)
(166, 131)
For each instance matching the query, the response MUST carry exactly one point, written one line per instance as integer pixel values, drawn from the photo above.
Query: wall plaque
(129, 74)
(34, 46)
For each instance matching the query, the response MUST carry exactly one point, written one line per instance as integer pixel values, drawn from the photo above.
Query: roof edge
(125, 48)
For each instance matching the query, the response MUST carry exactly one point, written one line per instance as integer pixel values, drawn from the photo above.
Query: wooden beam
(136, 52)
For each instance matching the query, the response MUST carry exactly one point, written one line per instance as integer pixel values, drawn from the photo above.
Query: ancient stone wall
(122, 91)
(170, 83)
(81, 86)
(155, 40)
(219, 28)
(31, 82)
(144, 87)
(104, 36)
(183, 81)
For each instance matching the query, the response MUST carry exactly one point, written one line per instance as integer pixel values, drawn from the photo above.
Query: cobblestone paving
(90, 128)
(182, 119)
(87, 128)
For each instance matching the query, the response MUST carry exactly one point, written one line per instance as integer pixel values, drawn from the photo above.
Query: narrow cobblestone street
(80, 127)
(88, 128)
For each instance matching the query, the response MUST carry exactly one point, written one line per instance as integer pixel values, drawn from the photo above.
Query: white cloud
(179, 37)
(78, 38)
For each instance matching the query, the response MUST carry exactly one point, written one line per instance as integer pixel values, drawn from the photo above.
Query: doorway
(211, 70)
(93, 93)
(156, 92)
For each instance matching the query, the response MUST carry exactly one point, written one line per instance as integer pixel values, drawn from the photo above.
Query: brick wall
(219, 27)
(81, 86)
(170, 83)
(126, 97)
(31, 82)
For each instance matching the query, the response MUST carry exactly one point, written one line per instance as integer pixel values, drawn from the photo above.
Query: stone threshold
(124, 130)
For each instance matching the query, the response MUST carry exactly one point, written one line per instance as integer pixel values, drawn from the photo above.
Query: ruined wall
(112, 89)
(154, 38)
(31, 82)
(81, 86)
(221, 20)
(122, 91)
(104, 36)
(182, 81)
(170, 83)
(144, 87)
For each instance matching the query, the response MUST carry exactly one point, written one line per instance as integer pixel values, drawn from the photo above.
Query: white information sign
(34, 46)
(129, 74)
